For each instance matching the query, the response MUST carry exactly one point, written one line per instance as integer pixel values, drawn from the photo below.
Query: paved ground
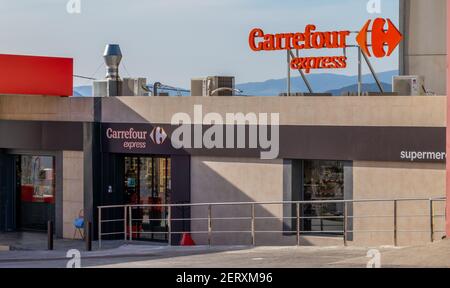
(137, 256)
(117, 255)
(131, 256)
(38, 241)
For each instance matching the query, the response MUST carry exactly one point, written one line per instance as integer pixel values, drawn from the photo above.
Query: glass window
(146, 180)
(131, 182)
(36, 180)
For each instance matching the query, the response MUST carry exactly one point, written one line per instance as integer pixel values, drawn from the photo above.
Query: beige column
(73, 201)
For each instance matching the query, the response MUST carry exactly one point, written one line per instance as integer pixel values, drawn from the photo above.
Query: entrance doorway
(323, 181)
(147, 180)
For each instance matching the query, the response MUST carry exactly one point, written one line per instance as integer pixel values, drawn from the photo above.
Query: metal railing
(297, 217)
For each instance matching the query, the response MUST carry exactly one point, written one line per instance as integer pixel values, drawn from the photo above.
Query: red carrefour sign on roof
(381, 38)
(33, 75)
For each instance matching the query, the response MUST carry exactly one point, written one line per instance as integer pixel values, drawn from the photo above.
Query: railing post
(130, 223)
(100, 227)
(169, 224)
(50, 232)
(298, 224)
(209, 224)
(345, 223)
(88, 236)
(395, 224)
(125, 223)
(253, 225)
(431, 221)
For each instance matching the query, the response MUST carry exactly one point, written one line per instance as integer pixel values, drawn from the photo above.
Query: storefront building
(58, 163)
(63, 156)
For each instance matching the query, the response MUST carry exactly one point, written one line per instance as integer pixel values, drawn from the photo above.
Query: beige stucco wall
(46, 108)
(72, 190)
(376, 180)
(236, 180)
(331, 111)
(425, 44)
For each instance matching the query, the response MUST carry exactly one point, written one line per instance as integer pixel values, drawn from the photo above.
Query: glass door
(323, 180)
(131, 181)
(148, 181)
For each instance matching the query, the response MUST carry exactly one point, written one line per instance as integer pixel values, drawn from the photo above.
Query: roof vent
(112, 57)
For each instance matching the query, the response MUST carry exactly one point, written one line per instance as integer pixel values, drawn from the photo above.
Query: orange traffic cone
(187, 240)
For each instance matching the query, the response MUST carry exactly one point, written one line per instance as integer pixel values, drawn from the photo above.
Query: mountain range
(320, 83)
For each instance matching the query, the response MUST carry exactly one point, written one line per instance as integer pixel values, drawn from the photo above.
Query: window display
(36, 185)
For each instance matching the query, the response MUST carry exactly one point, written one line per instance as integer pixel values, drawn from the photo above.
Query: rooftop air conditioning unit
(134, 87)
(408, 85)
(197, 87)
(213, 86)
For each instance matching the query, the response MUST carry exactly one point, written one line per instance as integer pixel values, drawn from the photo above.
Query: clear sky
(172, 41)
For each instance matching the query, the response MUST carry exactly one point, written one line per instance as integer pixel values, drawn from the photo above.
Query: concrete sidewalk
(122, 251)
(145, 255)
(30, 241)
(436, 255)
(132, 256)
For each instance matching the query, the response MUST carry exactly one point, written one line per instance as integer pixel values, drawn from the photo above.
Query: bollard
(50, 235)
(88, 236)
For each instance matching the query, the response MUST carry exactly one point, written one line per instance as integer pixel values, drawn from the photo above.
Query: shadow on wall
(244, 180)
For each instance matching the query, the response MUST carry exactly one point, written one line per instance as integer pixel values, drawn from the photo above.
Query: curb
(59, 258)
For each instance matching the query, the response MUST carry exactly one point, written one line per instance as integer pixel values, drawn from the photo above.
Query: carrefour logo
(158, 135)
(380, 38)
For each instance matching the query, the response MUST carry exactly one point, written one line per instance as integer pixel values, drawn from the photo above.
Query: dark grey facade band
(303, 142)
(41, 135)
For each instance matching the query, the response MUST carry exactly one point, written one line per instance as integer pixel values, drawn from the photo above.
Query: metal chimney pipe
(112, 57)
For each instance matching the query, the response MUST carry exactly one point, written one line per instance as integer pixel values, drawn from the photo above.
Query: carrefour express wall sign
(311, 38)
